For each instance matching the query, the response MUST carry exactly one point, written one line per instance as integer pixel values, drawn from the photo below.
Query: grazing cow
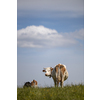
(34, 84)
(59, 74)
(27, 84)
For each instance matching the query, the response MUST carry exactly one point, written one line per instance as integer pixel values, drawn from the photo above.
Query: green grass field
(69, 92)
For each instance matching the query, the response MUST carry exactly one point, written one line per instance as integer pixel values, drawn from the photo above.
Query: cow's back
(27, 84)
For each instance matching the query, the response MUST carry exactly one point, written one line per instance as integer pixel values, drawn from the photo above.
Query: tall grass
(69, 92)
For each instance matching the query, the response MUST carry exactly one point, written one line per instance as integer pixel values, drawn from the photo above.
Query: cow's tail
(58, 74)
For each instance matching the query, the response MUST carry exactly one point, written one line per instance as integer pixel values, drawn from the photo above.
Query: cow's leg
(62, 81)
(57, 83)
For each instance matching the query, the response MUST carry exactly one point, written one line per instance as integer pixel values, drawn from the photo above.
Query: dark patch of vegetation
(69, 92)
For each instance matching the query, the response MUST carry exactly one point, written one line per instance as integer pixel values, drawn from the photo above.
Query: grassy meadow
(69, 92)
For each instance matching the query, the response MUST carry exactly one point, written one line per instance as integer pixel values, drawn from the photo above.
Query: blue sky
(48, 33)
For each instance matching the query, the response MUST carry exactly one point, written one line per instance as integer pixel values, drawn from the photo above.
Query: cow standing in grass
(59, 74)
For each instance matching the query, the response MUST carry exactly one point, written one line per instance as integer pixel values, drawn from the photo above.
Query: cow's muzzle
(46, 75)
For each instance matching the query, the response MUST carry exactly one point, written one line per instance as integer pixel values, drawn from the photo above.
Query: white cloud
(78, 34)
(40, 36)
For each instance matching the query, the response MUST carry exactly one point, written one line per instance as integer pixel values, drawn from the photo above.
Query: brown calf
(34, 83)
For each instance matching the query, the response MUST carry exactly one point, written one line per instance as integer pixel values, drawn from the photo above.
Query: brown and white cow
(34, 84)
(59, 74)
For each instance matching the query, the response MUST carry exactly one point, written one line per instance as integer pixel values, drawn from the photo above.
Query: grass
(69, 92)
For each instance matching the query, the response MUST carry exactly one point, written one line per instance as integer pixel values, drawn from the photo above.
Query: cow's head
(48, 71)
(34, 82)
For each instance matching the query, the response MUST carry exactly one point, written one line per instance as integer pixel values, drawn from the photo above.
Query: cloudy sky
(50, 32)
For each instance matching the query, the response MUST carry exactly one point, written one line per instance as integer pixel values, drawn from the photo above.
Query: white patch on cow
(35, 86)
(64, 66)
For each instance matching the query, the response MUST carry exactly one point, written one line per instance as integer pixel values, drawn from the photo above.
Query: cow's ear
(43, 70)
(51, 68)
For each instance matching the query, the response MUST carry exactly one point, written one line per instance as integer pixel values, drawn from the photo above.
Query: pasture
(69, 92)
